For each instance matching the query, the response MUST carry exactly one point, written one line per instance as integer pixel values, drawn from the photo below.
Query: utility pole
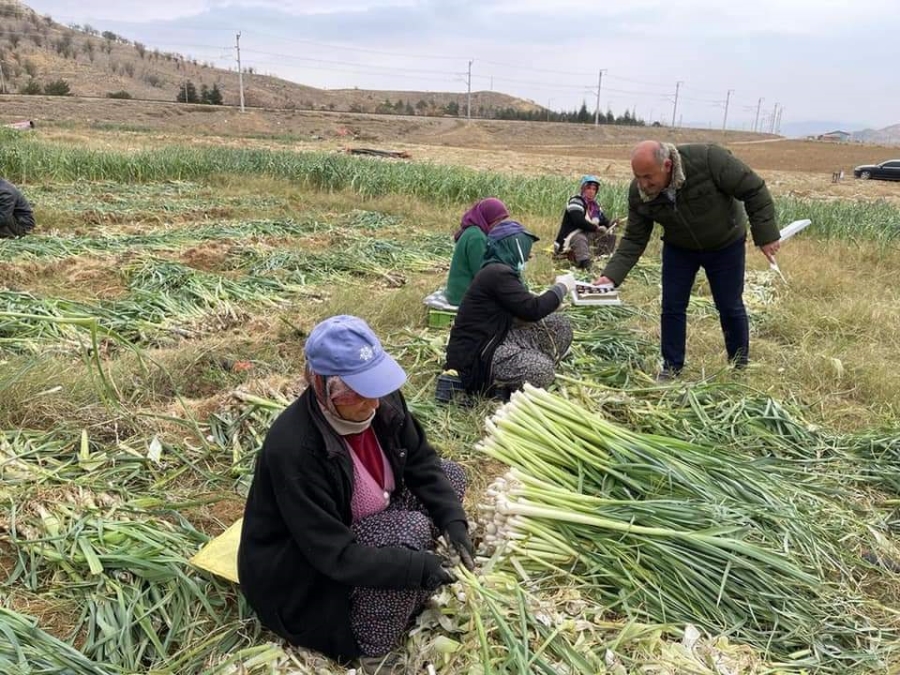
(778, 123)
(756, 121)
(772, 123)
(237, 46)
(727, 101)
(469, 94)
(2, 82)
(675, 107)
(597, 105)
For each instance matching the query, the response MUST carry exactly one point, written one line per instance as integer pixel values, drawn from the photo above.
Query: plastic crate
(438, 318)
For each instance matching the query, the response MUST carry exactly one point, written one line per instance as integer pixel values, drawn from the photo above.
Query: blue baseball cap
(345, 346)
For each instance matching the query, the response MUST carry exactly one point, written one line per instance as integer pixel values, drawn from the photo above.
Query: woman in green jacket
(471, 242)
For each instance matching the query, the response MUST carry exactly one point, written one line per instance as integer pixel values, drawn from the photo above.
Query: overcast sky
(833, 60)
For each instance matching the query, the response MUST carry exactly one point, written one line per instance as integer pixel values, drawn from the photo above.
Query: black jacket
(494, 299)
(575, 218)
(298, 560)
(707, 214)
(16, 216)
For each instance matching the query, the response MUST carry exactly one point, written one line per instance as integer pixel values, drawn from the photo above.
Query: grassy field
(153, 326)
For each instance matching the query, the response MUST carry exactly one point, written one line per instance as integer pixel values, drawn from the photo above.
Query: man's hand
(457, 536)
(604, 281)
(769, 250)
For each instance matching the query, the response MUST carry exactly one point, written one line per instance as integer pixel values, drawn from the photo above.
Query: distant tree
(63, 45)
(583, 114)
(141, 49)
(452, 109)
(128, 67)
(109, 36)
(356, 108)
(409, 110)
(57, 88)
(89, 29)
(13, 40)
(330, 106)
(118, 94)
(32, 88)
(214, 96)
(37, 39)
(88, 48)
(187, 93)
(30, 68)
(421, 105)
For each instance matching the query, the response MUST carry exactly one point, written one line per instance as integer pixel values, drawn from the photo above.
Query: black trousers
(725, 271)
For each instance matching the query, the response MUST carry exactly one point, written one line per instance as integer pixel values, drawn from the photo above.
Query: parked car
(889, 170)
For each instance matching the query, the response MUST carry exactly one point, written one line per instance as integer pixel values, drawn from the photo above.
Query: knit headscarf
(482, 215)
(593, 208)
(509, 243)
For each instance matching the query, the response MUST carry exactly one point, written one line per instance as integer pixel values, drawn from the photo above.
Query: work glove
(434, 572)
(567, 280)
(457, 536)
(601, 230)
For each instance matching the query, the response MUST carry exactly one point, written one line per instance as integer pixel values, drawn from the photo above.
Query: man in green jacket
(696, 193)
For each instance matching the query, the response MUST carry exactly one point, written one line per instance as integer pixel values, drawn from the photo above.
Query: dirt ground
(791, 167)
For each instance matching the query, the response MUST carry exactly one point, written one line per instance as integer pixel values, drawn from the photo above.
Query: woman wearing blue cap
(504, 335)
(346, 502)
(584, 227)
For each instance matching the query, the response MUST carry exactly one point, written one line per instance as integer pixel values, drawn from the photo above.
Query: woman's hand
(457, 536)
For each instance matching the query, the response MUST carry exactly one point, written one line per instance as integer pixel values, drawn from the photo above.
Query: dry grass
(823, 342)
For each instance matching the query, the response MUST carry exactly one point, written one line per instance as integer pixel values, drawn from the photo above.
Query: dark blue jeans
(725, 272)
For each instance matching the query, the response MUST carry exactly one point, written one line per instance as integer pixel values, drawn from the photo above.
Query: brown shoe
(388, 664)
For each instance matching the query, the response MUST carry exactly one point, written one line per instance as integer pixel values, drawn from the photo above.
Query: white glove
(602, 230)
(567, 280)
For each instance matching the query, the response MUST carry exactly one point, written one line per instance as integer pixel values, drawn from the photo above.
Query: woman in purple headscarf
(471, 241)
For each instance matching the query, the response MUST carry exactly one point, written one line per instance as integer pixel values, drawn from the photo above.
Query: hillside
(887, 136)
(35, 50)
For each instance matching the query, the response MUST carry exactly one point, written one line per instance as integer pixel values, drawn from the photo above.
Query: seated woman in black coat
(346, 501)
(504, 335)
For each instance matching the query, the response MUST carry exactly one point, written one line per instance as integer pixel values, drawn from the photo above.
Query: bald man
(698, 193)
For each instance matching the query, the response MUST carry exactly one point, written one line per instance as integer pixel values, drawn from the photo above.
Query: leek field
(152, 327)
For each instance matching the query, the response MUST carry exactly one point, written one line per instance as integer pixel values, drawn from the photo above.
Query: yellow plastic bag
(219, 556)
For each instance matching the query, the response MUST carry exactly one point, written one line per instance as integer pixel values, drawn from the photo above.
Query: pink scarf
(484, 214)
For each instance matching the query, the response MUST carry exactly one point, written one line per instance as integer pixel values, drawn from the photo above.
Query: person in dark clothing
(347, 499)
(585, 229)
(16, 215)
(696, 193)
(504, 335)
